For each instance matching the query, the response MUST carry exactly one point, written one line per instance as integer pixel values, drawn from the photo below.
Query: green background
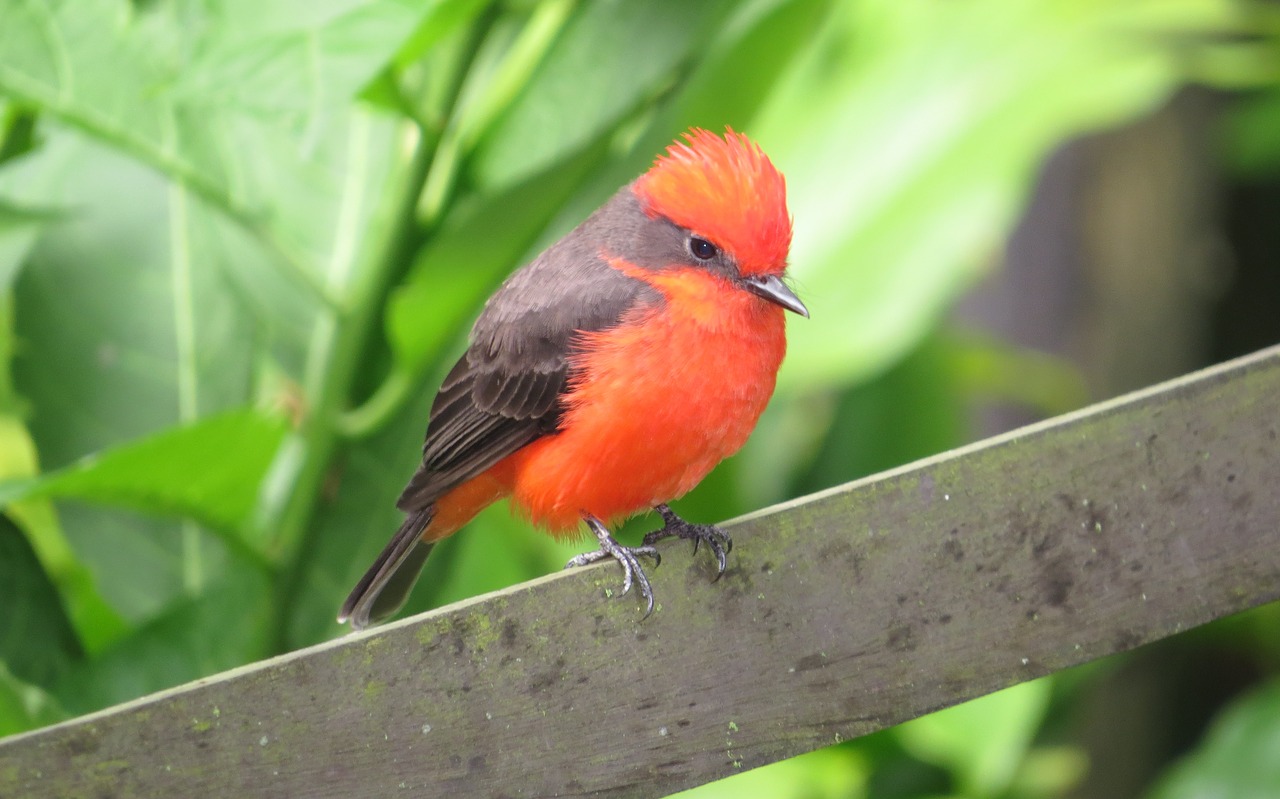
(240, 243)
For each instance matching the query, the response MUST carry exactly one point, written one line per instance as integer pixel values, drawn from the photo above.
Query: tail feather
(385, 587)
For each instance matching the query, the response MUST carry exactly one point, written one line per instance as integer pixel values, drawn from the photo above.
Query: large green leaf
(908, 152)
(225, 625)
(36, 637)
(19, 226)
(611, 59)
(1239, 757)
(982, 742)
(246, 104)
(23, 706)
(185, 299)
(211, 471)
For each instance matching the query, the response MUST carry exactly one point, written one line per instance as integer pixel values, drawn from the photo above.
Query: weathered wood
(841, 613)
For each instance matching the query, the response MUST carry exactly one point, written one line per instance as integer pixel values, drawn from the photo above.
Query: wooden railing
(841, 613)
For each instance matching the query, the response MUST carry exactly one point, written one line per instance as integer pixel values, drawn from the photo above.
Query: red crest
(726, 190)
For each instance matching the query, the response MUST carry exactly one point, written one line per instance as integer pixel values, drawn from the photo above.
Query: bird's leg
(717, 539)
(627, 557)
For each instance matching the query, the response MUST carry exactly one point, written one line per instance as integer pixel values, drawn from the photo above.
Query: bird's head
(726, 193)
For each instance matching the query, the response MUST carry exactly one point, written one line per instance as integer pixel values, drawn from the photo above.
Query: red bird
(612, 373)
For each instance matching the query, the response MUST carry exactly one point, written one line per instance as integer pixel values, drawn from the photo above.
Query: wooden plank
(841, 613)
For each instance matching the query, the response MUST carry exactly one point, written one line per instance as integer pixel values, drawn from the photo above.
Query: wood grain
(841, 613)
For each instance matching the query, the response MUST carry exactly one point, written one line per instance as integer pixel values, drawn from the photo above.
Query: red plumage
(612, 373)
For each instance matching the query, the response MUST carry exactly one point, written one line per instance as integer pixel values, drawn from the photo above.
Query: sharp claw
(627, 568)
(718, 540)
(627, 557)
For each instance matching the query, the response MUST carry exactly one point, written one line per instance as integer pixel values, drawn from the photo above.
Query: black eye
(702, 249)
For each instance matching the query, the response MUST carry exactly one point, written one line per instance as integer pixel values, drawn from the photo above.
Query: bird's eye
(702, 249)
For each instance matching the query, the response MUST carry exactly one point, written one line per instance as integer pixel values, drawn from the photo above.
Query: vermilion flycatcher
(612, 373)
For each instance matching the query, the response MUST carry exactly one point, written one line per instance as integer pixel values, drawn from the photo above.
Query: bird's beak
(773, 289)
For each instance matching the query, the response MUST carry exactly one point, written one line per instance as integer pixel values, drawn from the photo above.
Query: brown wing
(505, 390)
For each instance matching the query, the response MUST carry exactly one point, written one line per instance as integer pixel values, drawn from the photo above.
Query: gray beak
(773, 289)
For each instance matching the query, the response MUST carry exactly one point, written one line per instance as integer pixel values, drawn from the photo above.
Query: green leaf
(210, 471)
(981, 742)
(247, 106)
(832, 773)
(1239, 756)
(908, 150)
(37, 641)
(1252, 130)
(24, 707)
(225, 626)
(294, 59)
(611, 59)
(19, 226)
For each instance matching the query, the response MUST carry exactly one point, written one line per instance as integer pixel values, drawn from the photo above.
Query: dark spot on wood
(1047, 542)
(835, 550)
(509, 633)
(902, 638)
(1056, 581)
(83, 742)
(1126, 640)
(811, 662)
(548, 678)
(1057, 590)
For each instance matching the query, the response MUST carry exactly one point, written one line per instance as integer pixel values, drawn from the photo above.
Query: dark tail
(385, 586)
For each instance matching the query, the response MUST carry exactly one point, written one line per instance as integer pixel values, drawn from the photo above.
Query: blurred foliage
(1240, 757)
(240, 242)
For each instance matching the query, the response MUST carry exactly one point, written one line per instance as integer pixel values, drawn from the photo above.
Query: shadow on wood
(841, 613)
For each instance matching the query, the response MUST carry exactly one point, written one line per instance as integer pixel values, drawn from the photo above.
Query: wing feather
(505, 392)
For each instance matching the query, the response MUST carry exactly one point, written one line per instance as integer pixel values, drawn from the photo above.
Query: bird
(610, 374)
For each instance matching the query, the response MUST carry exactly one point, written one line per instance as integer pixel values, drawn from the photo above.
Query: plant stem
(345, 337)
